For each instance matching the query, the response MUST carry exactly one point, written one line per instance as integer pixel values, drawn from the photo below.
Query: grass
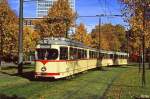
(110, 83)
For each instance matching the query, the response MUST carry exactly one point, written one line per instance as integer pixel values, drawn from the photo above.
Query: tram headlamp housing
(43, 69)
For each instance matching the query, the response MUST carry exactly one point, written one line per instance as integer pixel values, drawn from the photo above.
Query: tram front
(46, 61)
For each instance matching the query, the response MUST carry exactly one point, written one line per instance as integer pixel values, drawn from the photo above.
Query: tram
(61, 57)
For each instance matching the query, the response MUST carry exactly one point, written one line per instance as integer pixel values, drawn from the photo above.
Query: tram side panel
(107, 62)
(92, 63)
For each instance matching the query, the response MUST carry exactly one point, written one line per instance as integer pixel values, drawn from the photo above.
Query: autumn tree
(8, 30)
(30, 39)
(98, 39)
(59, 20)
(111, 37)
(82, 35)
(134, 15)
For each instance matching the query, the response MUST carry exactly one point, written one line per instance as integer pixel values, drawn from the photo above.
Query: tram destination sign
(45, 46)
(147, 13)
(44, 41)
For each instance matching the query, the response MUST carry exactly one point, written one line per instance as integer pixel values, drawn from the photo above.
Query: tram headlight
(43, 69)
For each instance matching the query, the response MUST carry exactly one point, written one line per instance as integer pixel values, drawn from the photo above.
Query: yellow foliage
(8, 29)
(134, 12)
(82, 36)
(30, 39)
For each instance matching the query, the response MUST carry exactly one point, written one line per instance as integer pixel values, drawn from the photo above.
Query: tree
(8, 30)
(82, 36)
(59, 20)
(134, 15)
(30, 40)
(111, 37)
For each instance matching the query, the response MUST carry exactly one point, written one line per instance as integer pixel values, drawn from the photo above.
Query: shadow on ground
(3, 96)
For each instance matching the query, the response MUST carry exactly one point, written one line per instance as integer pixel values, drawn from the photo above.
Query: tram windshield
(47, 54)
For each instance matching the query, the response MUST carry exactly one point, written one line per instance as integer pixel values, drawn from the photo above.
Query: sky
(83, 8)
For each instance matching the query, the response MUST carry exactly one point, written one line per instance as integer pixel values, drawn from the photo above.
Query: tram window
(95, 54)
(73, 53)
(47, 54)
(63, 53)
(85, 54)
(90, 54)
(82, 54)
(106, 56)
(115, 56)
(40, 54)
(79, 53)
(120, 56)
(52, 54)
(111, 56)
(101, 55)
(123, 56)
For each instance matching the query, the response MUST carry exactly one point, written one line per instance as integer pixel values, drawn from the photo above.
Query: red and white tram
(61, 57)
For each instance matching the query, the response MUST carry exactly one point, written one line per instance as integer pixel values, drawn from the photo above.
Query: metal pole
(1, 53)
(20, 39)
(143, 47)
(99, 32)
(140, 58)
(99, 44)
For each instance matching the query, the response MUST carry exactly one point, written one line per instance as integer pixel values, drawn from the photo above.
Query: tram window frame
(63, 55)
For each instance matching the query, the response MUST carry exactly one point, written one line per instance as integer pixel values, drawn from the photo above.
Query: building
(44, 5)
(28, 22)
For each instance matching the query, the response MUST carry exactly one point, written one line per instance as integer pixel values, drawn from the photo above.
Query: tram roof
(62, 41)
(70, 42)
